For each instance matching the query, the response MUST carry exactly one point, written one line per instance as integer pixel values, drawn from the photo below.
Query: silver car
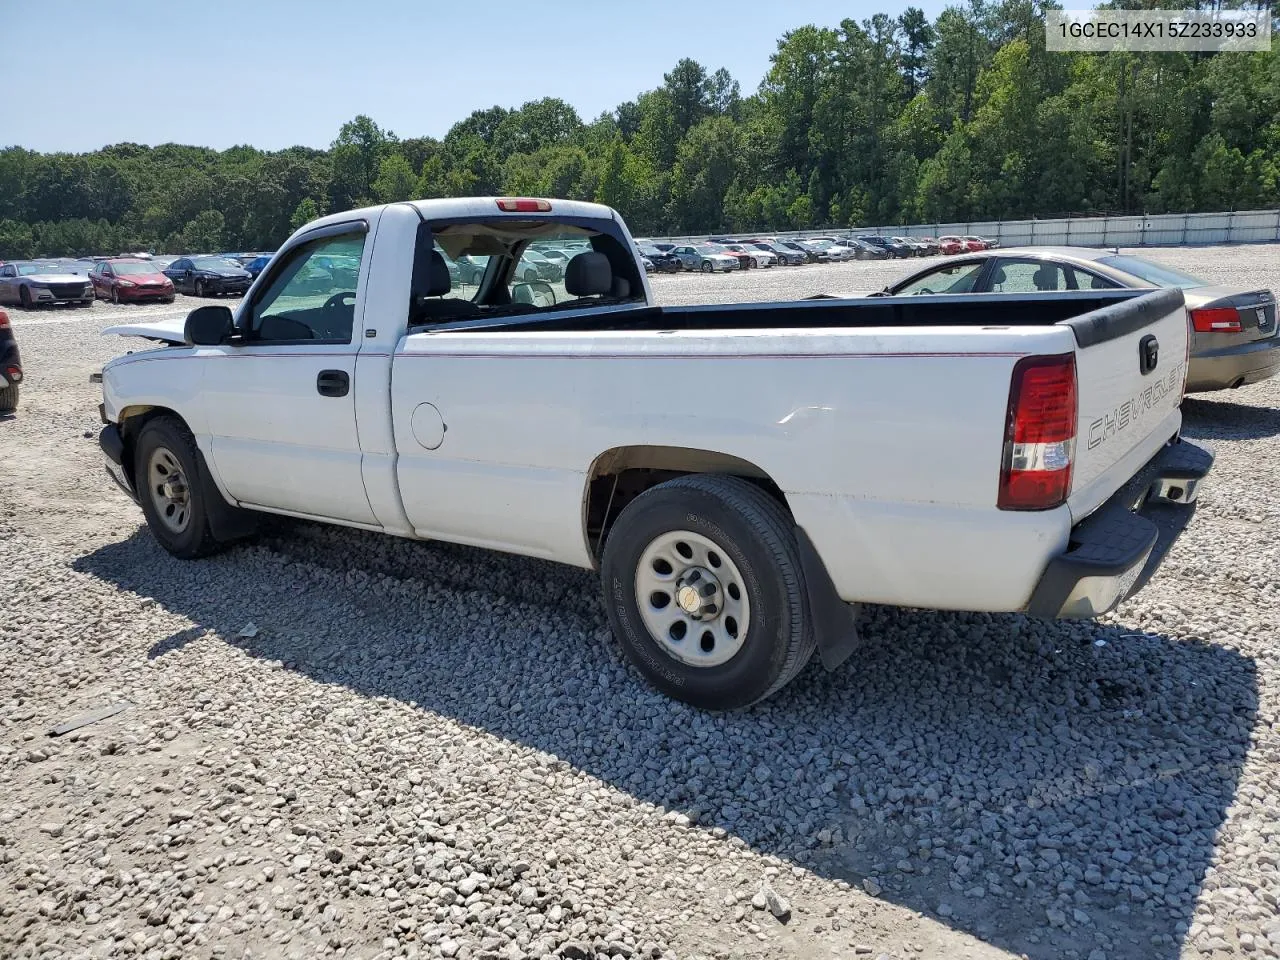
(32, 283)
(707, 258)
(1233, 328)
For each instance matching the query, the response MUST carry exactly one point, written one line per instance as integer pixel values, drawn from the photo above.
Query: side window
(312, 295)
(953, 278)
(1030, 276)
(106, 269)
(8, 272)
(1091, 281)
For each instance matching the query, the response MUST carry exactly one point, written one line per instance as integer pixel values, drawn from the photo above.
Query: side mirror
(208, 326)
(536, 292)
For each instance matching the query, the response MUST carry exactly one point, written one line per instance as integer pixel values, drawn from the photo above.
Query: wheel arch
(619, 475)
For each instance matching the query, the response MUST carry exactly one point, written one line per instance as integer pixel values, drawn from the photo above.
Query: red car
(126, 279)
(953, 245)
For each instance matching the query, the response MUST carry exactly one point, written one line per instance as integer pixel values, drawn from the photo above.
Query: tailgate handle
(1148, 354)
(333, 383)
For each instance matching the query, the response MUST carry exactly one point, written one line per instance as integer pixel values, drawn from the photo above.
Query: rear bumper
(112, 445)
(1234, 366)
(1114, 551)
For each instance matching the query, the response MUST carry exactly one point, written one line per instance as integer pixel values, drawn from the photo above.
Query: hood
(55, 277)
(165, 331)
(146, 278)
(227, 274)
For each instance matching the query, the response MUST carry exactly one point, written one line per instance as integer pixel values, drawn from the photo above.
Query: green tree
(304, 213)
(204, 233)
(396, 180)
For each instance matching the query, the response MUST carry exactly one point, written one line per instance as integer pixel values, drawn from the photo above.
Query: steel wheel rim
(692, 599)
(167, 484)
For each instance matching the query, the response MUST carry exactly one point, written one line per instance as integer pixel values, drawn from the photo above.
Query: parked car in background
(256, 265)
(931, 246)
(10, 366)
(949, 246)
(891, 247)
(836, 251)
(707, 258)
(33, 283)
(129, 280)
(663, 261)
(1233, 327)
(759, 258)
(983, 243)
(557, 256)
(208, 276)
(785, 255)
(863, 251)
(534, 266)
(647, 264)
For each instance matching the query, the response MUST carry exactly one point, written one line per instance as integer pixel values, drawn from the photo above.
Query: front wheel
(703, 588)
(199, 288)
(708, 266)
(24, 297)
(166, 471)
(115, 296)
(9, 398)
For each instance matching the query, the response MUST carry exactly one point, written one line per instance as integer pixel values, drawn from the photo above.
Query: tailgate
(1131, 365)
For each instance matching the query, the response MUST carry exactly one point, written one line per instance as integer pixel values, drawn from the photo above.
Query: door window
(311, 297)
(952, 278)
(1031, 276)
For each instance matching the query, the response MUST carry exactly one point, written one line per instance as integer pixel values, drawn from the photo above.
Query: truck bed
(959, 310)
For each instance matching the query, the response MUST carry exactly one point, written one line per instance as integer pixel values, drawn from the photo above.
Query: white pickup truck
(741, 476)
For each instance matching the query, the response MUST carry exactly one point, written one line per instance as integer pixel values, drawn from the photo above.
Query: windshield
(1153, 273)
(216, 263)
(125, 268)
(650, 251)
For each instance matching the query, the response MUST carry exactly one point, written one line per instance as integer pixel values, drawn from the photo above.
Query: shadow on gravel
(1225, 420)
(1054, 788)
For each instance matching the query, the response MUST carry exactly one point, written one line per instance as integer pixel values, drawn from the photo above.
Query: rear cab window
(510, 266)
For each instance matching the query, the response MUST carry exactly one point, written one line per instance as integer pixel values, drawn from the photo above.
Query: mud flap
(834, 620)
(226, 522)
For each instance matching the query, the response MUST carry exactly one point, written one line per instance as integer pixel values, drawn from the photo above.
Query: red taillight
(1216, 320)
(522, 205)
(1040, 434)
(4, 320)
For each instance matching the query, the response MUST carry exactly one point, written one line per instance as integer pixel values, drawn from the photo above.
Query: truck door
(281, 398)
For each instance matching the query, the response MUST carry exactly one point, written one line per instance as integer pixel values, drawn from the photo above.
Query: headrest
(999, 276)
(1046, 277)
(438, 276)
(588, 275)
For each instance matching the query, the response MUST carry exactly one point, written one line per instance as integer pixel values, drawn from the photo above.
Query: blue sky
(273, 74)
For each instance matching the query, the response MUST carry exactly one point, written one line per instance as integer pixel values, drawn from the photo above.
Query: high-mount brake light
(1040, 434)
(1216, 320)
(523, 205)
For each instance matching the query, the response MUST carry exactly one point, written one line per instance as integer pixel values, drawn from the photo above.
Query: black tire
(199, 288)
(24, 297)
(9, 398)
(196, 540)
(708, 266)
(756, 534)
(115, 297)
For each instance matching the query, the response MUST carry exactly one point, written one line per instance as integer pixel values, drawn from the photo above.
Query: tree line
(887, 120)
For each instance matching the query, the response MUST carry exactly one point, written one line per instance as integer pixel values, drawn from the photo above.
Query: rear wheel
(703, 588)
(9, 398)
(167, 476)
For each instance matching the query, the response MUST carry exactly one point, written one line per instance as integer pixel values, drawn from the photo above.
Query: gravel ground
(430, 751)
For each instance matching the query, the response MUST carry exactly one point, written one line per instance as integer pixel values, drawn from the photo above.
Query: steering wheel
(924, 291)
(336, 300)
